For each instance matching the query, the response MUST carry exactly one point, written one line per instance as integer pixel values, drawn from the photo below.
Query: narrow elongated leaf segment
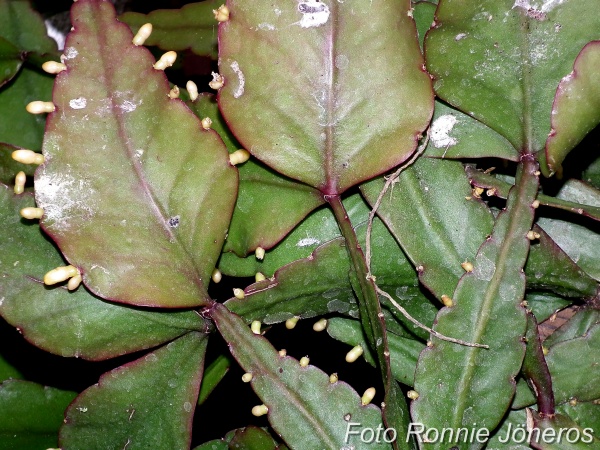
(70, 323)
(498, 60)
(575, 108)
(487, 309)
(122, 188)
(358, 98)
(127, 405)
(305, 407)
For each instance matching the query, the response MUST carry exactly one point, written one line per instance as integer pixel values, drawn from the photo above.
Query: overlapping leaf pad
(137, 195)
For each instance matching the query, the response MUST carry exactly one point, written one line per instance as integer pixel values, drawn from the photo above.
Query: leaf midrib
(152, 202)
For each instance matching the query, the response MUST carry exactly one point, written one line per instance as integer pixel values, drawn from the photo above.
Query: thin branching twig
(389, 181)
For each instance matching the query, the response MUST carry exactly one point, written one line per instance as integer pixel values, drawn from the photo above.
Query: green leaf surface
(111, 161)
(335, 124)
(305, 409)
(560, 433)
(192, 27)
(592, 174)
(548, 267)
(215, 444)
(8, 371)
(69, 323)
(501, 60)
(252, 438)
(10, 61)
(319, 285)
(454, 134)
(535, 370)
(213, 374)
(24, 28)
(510, 435)
(576, 107)
(319, 227)
(31, 415)
(543, 304)
(460, 385)
(575, 367)
(586, 414)
(423, 12)
(9, 167)
(269, 205)
(148, 403)
(577, 326)
(17, 126)
(436, 226)
(404, 352)
(585, 199)
(578, 241)
(523, 396)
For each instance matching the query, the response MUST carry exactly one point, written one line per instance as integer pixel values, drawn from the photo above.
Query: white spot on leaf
(440, 131)
(314, 13)
(266, 26)
(241, 79)
(64, 197)
(306, 242)
(128, 106)
(78, 103)
(70, 53)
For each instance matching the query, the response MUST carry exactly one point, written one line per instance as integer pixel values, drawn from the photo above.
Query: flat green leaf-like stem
(460, 385)
(575, 108)
(31, 415)
(268, 205)
(428, 214)
(148, 403)
(70, 323)
(136, 194)
(356, 93)
(501, 60)
(193, 26)
(305, 409)
(559, 432)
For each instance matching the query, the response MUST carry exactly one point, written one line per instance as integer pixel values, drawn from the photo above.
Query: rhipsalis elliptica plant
(397, 173)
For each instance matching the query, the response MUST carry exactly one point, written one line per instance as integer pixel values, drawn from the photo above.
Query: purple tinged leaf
(304, 408)
(501, 60)
(70, 323)
(148, 403)
(355, 93)
(269, 205)
(126, 189)
(535, 370)
(575, 109)
(316, 229)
